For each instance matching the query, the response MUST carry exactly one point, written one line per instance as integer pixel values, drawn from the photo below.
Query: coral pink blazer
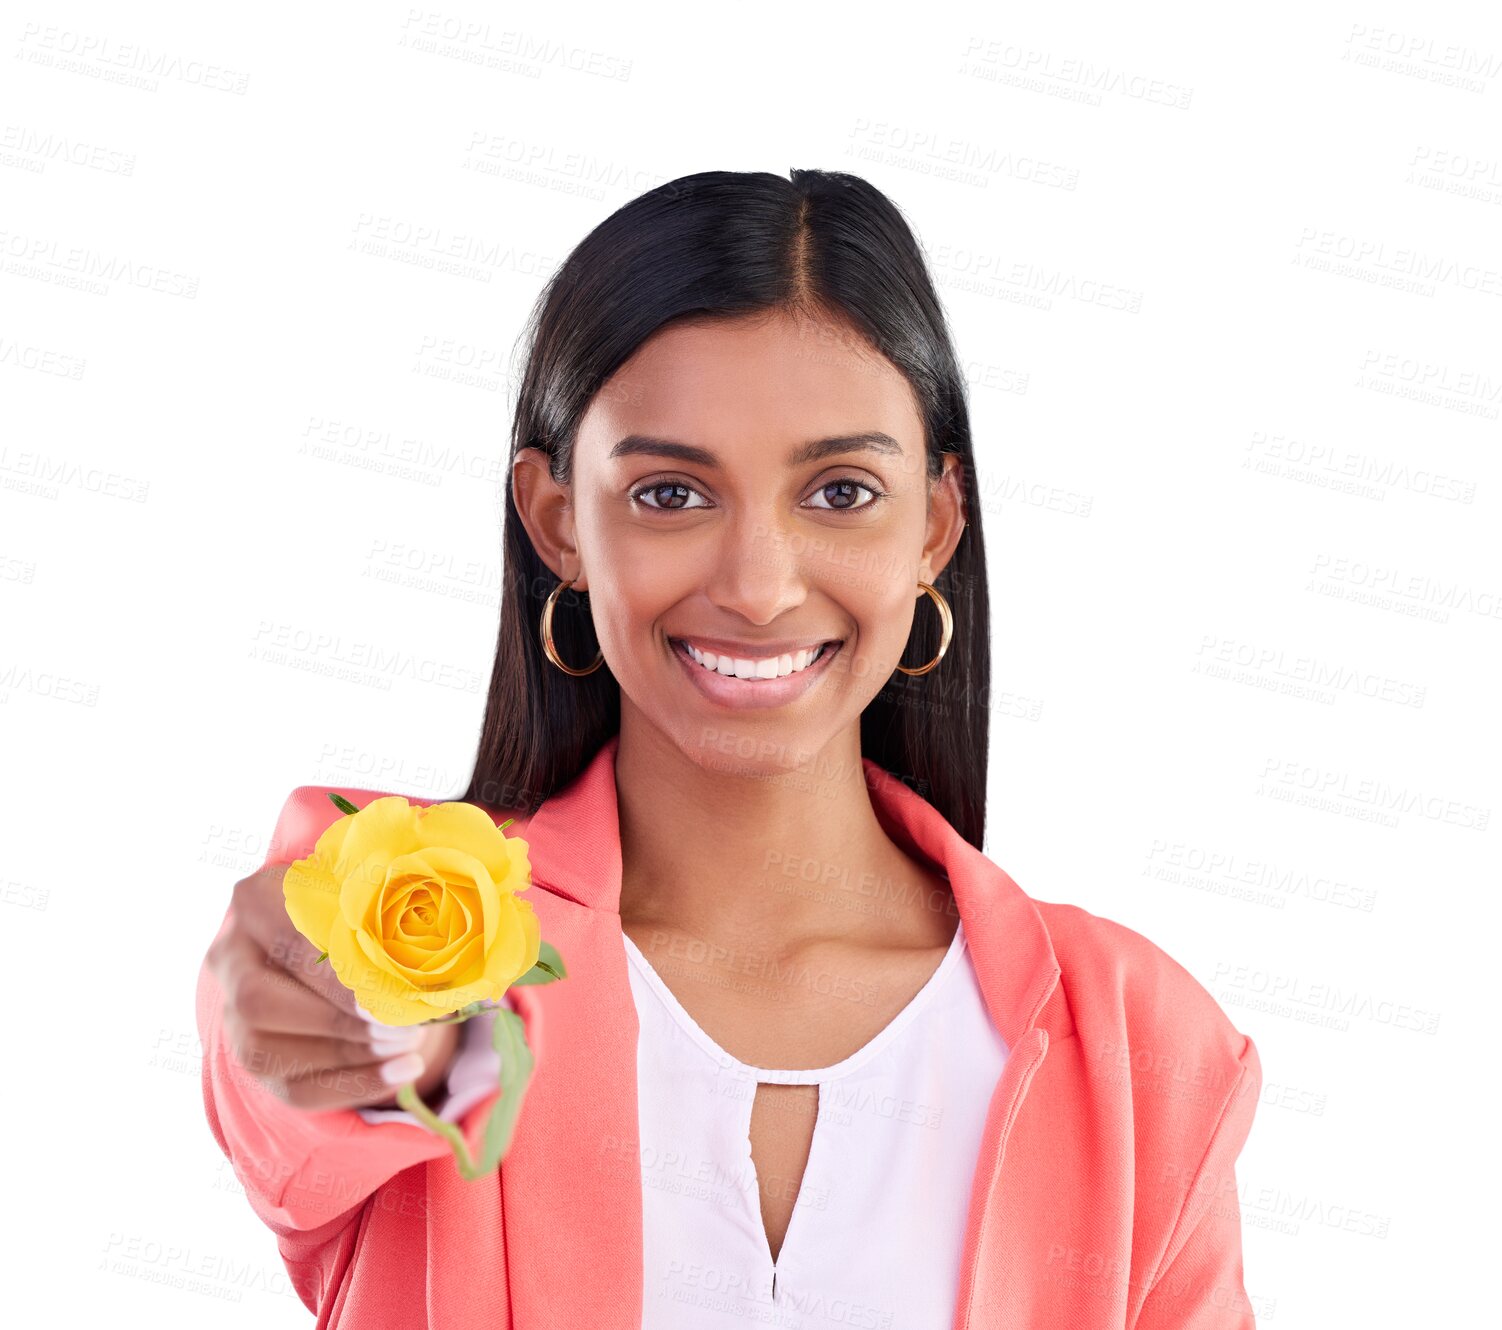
(1104, 1197)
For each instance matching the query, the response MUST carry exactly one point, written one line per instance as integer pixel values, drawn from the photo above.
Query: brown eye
(841, 496)
(667, 495)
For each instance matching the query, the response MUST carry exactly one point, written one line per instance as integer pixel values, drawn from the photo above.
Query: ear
(546, 509)
(946, 518)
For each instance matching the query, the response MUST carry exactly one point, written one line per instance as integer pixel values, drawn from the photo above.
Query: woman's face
(754, 491)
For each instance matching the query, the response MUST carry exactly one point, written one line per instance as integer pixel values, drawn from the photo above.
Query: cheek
(879, 607)
(628, 610)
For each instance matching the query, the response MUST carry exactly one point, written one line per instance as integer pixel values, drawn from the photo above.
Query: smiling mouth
(752, 670)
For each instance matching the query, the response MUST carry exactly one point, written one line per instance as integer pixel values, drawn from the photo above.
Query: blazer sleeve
(1199, 1281)
(307, 1174)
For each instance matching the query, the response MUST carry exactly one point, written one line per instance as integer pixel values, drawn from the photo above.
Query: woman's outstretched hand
(293, 1026)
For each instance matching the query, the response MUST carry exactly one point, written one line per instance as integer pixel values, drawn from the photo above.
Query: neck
(732, 854)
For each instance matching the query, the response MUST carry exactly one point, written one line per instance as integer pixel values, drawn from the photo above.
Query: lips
(733, 693)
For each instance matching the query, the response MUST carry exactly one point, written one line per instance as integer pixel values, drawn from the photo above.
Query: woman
(817, 1059)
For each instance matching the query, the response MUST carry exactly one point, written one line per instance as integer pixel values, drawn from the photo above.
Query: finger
(261, 909)
(344, 1087)
(277, 1060)
(249, 978)
(261, 906)
(267, 997)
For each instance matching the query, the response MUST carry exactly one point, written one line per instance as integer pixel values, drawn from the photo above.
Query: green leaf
(501, 826)
(509, 1037)
(321, 959)
(342, 804)
(548, 968)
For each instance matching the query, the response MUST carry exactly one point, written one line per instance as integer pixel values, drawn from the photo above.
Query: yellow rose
(417, 907)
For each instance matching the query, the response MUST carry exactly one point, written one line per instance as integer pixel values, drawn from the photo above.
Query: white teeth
(774, 667)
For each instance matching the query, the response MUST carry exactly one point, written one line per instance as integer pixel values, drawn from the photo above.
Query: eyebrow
(869, 441)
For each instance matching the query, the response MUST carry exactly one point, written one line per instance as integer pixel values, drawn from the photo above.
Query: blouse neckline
(800, 1076)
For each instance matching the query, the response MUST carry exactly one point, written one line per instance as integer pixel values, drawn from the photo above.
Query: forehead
(755, 381)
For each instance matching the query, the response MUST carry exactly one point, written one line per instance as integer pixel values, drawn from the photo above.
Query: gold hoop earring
(947, 618)
(547, 634)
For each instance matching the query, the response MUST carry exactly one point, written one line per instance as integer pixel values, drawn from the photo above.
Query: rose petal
(312, 897)
(518, 948)
(378, 833)
(463, 826)
(460, 867)
(378, 991)
(330, 845)
(519, 876)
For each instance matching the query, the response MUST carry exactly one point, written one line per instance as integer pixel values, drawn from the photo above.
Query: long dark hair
(729, 243)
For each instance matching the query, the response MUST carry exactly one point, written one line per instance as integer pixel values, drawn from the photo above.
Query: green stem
(409, 1099)
(510, 1039)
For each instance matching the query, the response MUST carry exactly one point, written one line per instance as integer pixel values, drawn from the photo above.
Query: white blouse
(876, 1234)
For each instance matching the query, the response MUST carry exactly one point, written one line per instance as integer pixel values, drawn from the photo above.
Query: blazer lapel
(571, 1184)
(1018, 974)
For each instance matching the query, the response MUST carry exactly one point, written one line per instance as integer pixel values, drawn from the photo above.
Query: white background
(1230, 325)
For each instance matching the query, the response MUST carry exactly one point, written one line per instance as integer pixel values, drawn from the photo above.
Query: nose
(759, 567)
